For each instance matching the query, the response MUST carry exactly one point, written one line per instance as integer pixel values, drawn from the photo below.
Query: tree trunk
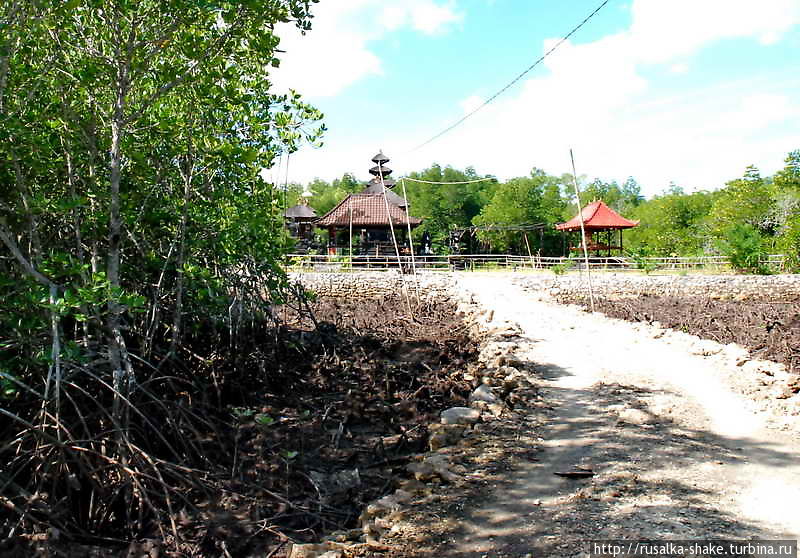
(122, 370)
(187, 173)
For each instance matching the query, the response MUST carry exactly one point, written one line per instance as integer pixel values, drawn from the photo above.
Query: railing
(485, 262)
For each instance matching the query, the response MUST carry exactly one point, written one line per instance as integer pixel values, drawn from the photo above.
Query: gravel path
(677, 453)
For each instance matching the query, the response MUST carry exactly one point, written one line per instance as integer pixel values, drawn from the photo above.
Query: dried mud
(770, 330)
(334, 408)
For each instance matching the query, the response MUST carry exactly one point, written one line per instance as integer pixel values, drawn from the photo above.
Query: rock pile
(375, 284)
(621, 285)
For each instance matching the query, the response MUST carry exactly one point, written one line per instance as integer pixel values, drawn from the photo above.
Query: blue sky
(684, 91)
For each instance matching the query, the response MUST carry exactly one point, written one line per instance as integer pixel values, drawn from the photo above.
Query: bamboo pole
(351, 236)
(410, 241)
(583, 231)
(394, 238)
(527, 244)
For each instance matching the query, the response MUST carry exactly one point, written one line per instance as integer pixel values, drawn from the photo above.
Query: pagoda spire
(380, 171)
(380, 157)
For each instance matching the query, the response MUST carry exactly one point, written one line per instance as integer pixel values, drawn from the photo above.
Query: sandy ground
(677, 452)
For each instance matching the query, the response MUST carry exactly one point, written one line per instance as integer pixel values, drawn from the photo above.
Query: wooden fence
(509, 262)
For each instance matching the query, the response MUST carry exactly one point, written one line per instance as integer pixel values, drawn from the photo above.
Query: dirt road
(676, 453)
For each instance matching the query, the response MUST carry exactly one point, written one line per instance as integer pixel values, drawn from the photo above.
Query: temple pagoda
(299, 219)
(363, 219)
(599, 224)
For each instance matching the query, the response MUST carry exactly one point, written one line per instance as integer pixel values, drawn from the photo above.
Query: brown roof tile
(300, 211)
(368, 210)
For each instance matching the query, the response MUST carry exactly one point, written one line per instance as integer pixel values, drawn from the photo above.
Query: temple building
(299, 220)
(364, 220)
(599, 224)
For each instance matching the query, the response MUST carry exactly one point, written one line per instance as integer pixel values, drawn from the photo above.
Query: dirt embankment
(333, 407)
(770, 330)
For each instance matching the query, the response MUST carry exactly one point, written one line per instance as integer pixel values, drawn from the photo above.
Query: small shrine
(299, 220)
(363, 222)
(601, 225)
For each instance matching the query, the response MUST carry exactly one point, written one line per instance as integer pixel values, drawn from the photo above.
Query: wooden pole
(351, 236)
(394, 238)
(583, 231)
(410, 241)
(527, 244)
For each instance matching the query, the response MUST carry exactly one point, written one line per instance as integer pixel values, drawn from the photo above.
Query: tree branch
(7, 238)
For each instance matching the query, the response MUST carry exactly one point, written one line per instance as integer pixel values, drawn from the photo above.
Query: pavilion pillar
(587, 238)
(331, 241)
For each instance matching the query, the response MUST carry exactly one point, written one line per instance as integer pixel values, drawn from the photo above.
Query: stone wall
(375, 284)
(378, 284)
(619, 285)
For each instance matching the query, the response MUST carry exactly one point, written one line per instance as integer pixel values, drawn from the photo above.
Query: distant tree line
(746, 219)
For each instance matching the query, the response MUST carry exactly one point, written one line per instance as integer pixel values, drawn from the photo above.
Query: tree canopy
(133, 220)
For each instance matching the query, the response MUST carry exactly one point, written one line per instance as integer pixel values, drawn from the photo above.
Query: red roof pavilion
(598, 217)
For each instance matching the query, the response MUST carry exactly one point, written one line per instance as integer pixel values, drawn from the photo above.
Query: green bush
(743, 245)
(562, 268)
(640, 259)
(789, 244)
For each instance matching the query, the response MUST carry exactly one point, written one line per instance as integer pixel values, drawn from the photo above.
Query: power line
(444, 183)
(515, 80)
(500, 227)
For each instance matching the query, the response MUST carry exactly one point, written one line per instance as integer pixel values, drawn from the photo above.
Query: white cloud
(760, 110)
(471, 103)
(595, 99)
(430, 18)
(336, 53)
(679, 68)
(662, 30)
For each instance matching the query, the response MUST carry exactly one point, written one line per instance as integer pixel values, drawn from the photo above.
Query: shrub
(789, 244)
(640, 259)
(562, 268)
(743, 245)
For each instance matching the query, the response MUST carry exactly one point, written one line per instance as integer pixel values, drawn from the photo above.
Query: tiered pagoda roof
(368, 208)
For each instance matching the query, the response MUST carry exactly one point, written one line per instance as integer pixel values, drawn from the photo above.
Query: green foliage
(789, 243)
(264, 420)
(8, 387)
(744, 247)
(640, 257)
(621, 199)
(746, 200)
(444, 207)
(671, 224)
(788, 178)
(562, 268)
(134, 228)
(786, 211)
(326, 195)
(138, 197)
(522, 201)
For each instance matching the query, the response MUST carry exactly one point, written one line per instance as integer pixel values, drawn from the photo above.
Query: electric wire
(444, 183)
(514, 81)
